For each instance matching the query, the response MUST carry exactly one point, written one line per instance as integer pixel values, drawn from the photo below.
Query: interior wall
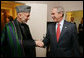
(72, 5)
(77, 16)
(8, 9)
(37, 25)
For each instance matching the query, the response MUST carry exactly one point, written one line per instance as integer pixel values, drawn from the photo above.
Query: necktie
(58, 32)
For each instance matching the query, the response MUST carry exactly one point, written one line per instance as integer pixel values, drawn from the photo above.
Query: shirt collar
(61, 22)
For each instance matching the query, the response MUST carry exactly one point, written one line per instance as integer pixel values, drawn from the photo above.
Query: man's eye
(52, 13)
(28, 15)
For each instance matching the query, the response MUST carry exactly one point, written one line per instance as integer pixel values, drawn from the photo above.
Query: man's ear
(60, 13)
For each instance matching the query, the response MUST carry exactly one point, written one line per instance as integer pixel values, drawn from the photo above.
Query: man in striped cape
(16, 39)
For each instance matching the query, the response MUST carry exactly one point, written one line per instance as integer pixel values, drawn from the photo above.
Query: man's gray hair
(60, 9)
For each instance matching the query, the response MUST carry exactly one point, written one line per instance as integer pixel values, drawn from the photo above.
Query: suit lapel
(54, 33)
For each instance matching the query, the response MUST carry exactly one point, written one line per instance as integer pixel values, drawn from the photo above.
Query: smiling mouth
(53, 17)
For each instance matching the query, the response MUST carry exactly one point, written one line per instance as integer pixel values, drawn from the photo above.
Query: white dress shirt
(61, 25)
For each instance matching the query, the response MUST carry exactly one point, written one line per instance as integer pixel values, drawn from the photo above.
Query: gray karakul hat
(23, 8)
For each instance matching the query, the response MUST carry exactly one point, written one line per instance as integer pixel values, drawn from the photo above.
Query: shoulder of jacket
(51, 23)
(69, 23)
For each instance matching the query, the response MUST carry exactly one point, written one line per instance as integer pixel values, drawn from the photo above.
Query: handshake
(39, 43)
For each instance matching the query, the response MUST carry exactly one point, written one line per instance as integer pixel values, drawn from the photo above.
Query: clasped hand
(39, 43)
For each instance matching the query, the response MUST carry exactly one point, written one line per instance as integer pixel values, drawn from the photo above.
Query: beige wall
(72, 5)
(37, 25)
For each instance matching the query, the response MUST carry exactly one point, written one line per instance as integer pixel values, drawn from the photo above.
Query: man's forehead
(54, 10)
(25, 12)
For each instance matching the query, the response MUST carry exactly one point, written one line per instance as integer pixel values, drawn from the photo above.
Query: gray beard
(23, 21)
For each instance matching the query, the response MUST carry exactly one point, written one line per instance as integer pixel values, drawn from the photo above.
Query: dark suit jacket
(67, 41)
(80, 34)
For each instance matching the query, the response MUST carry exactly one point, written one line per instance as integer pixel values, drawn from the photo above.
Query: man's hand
(39, 43)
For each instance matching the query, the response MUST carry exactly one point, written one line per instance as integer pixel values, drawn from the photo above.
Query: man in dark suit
(81, 33)
(61, 36)
(72, 20)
